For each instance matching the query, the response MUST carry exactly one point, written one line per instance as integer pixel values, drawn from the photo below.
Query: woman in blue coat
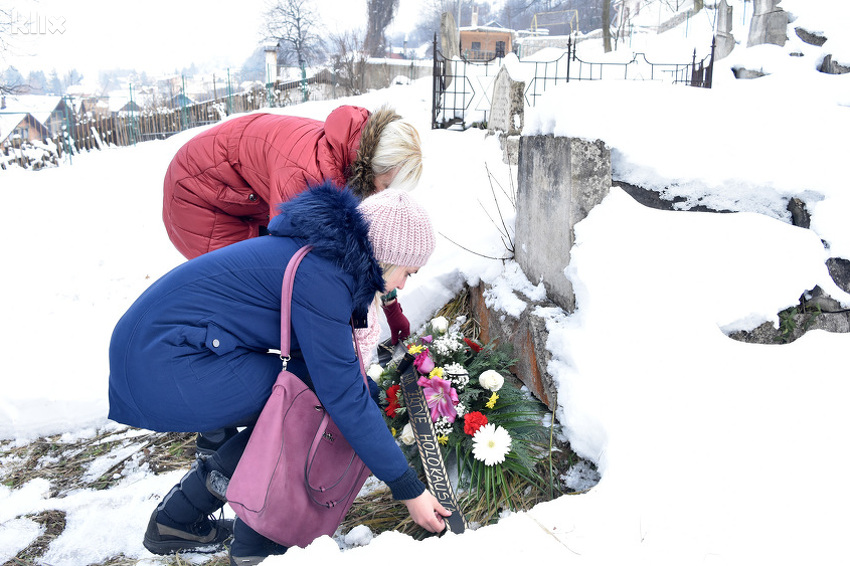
(192, 353)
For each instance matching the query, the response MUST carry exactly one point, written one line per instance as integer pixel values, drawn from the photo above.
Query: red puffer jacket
(227, 181)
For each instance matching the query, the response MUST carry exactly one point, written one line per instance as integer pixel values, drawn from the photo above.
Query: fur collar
(362, 178)
(328, 219)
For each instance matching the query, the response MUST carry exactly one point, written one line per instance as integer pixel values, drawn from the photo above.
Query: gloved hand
(398, 323)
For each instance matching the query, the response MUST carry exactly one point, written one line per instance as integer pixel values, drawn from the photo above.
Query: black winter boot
(206, 535)
(182, 520)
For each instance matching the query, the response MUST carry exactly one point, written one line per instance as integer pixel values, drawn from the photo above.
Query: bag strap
(286, 301)
(286, 307)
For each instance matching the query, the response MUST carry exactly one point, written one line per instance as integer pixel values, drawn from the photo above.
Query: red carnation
(392, 397)
(473, 421)
(475, 347)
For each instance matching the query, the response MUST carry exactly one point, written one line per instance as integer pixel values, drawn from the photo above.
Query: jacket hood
(328, 219)
(362, 178)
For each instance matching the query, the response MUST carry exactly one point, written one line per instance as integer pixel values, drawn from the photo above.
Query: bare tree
(5, 28)
(349, 61)
(7, 84)
(12, 82)
(606, 25)
(381, 14)
(292, 24)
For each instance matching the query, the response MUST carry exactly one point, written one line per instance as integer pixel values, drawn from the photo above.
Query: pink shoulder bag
(298, 476)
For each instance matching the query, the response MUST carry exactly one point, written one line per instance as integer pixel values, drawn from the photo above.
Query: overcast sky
(153, 36)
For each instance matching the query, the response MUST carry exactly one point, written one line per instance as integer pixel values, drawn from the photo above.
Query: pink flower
(441, 397)
(423, 363)
(427, 339)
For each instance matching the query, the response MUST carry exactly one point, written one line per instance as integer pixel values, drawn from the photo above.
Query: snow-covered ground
(711, 451)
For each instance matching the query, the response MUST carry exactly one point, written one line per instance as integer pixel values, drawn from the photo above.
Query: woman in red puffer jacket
(224, 185)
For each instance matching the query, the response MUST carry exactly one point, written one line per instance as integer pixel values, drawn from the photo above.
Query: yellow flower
(415, 349)
(436, 372)
(492, 402)
(392, 430)
(443, 439)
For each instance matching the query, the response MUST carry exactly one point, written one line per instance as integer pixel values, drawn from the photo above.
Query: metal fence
(455, 92)
(453, 88)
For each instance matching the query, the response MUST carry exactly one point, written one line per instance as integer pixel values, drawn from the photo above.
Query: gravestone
(769, 23)
(507, 110)
(449, 36)
(507, 113)
(558, 181)
(725, 41)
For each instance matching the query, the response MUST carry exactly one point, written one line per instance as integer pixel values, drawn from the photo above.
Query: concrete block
(527, 334)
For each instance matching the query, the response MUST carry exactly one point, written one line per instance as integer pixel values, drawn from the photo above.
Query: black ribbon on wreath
(426, 439)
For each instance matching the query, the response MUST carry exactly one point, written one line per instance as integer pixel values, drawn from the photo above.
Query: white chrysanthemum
(491, 444)
(491, 380)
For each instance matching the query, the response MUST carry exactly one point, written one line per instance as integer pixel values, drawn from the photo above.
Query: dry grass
(53, 523)
(64, 465)
(380, 512)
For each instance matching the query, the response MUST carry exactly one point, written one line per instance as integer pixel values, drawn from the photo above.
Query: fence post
(710, 71)
(184, 120)
(694, 68)
(304, 81)
(69, 147)
(132, 122)
(229, 94)
(434, 78)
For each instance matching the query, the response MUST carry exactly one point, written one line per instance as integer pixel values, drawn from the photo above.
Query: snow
(710, 451)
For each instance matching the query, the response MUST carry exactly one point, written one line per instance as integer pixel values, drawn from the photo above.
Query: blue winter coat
(192, 352)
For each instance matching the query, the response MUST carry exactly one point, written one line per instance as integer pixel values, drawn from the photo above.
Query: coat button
(216, 343)
(252, 197)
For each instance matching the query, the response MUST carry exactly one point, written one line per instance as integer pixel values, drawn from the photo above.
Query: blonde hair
(399, 148)
(388, 269)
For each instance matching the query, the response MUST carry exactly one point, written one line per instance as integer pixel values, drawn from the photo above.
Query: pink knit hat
(399, 228)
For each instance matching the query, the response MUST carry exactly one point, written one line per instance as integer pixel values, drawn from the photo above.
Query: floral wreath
(491, 426)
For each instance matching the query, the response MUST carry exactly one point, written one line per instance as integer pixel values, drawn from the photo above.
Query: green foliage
(788, 321)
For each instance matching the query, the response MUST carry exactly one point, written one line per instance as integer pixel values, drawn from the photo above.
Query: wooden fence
(96, 131)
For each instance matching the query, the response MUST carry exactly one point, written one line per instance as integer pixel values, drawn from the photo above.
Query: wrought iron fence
(454, 89)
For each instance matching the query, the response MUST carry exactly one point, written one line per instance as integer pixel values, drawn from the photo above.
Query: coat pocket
(219, 340)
